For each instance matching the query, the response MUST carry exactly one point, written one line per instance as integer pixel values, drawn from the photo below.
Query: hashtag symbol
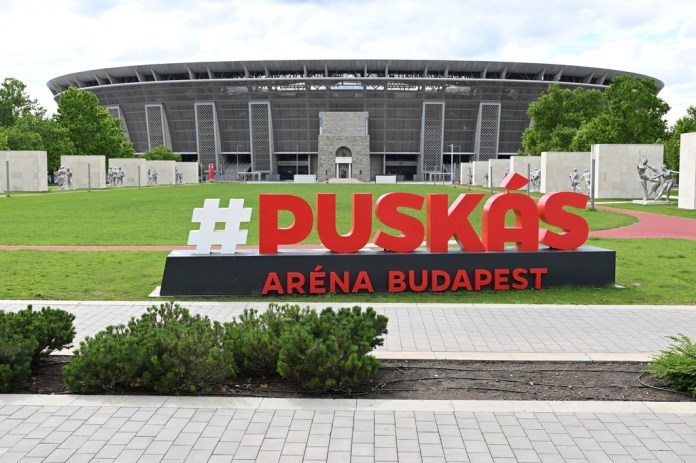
(209, 216)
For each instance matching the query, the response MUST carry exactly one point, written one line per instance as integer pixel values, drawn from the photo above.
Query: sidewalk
(157, 428)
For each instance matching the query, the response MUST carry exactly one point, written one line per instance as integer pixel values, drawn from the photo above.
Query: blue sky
(48, 38)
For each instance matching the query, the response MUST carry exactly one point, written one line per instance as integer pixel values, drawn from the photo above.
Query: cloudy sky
(42, 39)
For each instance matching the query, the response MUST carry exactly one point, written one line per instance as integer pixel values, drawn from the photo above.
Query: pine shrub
(27, 337)
(52, 329)
(167, 350)
(328, 351)
(254, 339)
(16, 354)
(677, 364)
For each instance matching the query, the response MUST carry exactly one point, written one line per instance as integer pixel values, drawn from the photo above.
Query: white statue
(574, 181)
(587, 178)
(179, 175)
(60, 177)
(666, 180)
(536, 179)
(642, 173)
(119, 175)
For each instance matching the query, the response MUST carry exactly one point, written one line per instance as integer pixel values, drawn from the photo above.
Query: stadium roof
(341, 69)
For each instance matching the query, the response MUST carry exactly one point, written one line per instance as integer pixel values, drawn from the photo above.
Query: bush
(26, 337)
(167, 350)
(328, 351)
(677, 364)
(15, 358)
(254, 340)
(52, 329)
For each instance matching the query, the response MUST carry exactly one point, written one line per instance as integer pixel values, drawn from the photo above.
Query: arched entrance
(344, 162)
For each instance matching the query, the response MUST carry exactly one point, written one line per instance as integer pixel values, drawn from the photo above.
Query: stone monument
(27, 171)
(687, 172)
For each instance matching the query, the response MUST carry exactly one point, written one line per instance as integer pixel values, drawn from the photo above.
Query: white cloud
(50, 38)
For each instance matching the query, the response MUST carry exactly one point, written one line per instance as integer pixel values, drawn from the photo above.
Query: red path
(648, 226)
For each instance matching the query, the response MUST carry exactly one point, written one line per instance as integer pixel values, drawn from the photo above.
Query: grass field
(651, 271)
(162, 215)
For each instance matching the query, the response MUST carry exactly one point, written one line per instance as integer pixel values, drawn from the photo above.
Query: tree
(92, 129)
(634, 114)
(161, 153)
(34, 132)
(15, 102)
(3, 142)
(685, 124)
(557, 115)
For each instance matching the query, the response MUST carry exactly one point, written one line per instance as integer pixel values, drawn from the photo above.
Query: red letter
(524, 234)
(295, 281)
(482, 277)
(336, 281)
(442, 223)
(518, 276)
(500, 279)
(434, 285)
(575, 228)
(362, 281)
(461, 279)
(412, 281)
(387, 209)
(272, 284)
(361, 230)
(270, 234)
(397, 281)
(538, 272)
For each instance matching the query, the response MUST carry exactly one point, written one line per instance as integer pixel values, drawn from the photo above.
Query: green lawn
(652, 271)
(162, 215)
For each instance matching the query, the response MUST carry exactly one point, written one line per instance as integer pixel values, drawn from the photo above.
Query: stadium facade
(332, 118)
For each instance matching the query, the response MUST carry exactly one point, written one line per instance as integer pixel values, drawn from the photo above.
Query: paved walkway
(36, 428)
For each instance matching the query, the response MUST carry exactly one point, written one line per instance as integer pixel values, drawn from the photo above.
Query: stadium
(336, 119)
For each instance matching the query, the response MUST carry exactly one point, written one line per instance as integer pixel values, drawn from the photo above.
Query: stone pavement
(37, 428)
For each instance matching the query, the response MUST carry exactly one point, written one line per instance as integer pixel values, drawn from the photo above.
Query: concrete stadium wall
(80, 166)
(189, 171)
(556, 167)
(687, 171)
(28, 170)
(518, 164)
(617, 169)
(130, 168)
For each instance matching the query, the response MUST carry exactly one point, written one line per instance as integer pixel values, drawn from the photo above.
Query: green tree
(35, 132)
(15, 102)
(161, 153)
(3, 142)
(685, 124)
(634, 114)
(557, 115)
(92, 129)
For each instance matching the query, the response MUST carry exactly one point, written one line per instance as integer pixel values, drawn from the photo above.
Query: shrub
(254, 340)
(167, 350)
(26, 337)
(328, 351)
(52, 329)
(677, 364)
(15, 358)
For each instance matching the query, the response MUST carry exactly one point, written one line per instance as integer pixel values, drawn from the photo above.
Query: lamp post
(237, 159)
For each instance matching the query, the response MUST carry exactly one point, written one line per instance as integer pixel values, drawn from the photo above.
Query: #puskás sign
(367, 259)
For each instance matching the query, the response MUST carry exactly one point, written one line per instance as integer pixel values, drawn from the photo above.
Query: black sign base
(320, 272)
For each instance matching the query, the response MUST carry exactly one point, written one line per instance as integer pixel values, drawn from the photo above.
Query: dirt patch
(452, 380)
